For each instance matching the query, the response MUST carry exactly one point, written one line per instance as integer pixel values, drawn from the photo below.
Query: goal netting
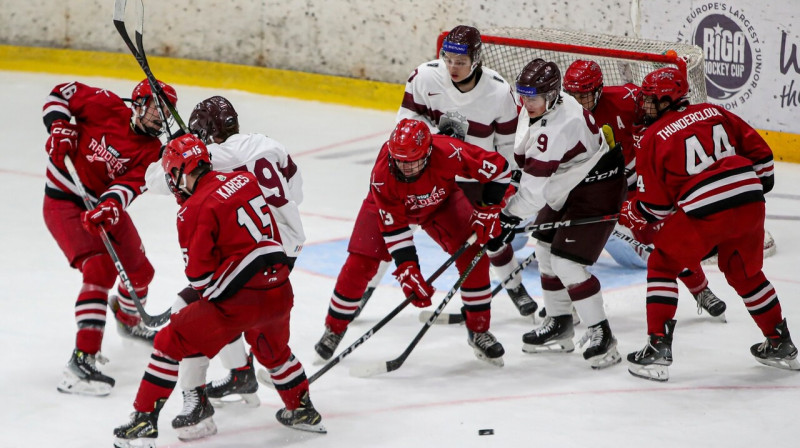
(623, 59)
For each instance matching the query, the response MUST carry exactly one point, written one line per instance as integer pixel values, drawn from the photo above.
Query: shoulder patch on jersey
(432, 64)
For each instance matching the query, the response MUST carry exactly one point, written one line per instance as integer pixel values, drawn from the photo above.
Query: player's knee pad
(99, 270)
(570, 272)
(142, 275)
(356, 273)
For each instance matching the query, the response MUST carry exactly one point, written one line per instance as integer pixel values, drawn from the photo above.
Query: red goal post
(622, 59)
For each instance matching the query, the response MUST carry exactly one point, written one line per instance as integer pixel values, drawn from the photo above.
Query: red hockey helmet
(182, 156)
(466, 40)
(666, 83)
(582, 77)
(584, 81)
(214, 117)
(143, 91)
(409, 149)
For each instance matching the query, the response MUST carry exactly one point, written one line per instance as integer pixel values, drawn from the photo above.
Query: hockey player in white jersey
(569, 172)
(215, 121)
(457, 96)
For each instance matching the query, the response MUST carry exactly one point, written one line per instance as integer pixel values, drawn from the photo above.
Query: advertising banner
(751, 51)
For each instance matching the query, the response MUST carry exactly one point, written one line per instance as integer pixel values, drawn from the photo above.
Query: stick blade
(443, 319)
(119, 10)
(369, 370)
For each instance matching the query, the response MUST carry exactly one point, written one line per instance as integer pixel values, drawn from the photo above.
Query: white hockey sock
(233, 355)
(591, 309)
(192, 372)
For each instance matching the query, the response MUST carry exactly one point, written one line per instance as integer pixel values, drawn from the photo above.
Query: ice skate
(576, 319)
(237, 388)
(602, 350)
(141, 431)
(653, 361)
(554, 336)
(327, 345)
(130, 326)
(522, 300)
(777, 352)
(486, 347)
(304, 418)
(708, 301)
(195, 420)
(81, 377)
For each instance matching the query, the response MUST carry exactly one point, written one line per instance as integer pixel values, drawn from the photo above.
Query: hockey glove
(105, 215)
(485, 222)
(63, 142)
(507, 225)
(630, 217)
(608, 133)
(414, 285)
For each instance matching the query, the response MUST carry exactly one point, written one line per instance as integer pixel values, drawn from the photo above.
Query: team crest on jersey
(376, 185)
(456, 152)
(454, 124)
(103, 152)
(417, 201)
(221, 177)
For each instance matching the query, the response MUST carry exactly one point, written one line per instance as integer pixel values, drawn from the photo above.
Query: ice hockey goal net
(623, 59)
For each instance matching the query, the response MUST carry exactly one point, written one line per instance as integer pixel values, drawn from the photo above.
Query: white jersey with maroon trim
(279, 178)
(486, 115)
(555, 152)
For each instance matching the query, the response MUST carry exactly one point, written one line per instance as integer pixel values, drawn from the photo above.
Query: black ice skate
(576, 319)
(522, 300)
(653, 361)
(707, 301)
(127, 328)
(602, 350)
(486, 347)
(777, 352)
(237, 388)
(81, 377)
(554, 336)
(195, 420)
(304, 418)
(141, 431)
(327, 345)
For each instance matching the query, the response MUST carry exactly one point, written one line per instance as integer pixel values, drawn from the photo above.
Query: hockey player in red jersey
(215, 121)
(703, 172)
(569, 172)
(413, 182)
(239, 271)
(615, 106)
(110, 145)
(457, 95)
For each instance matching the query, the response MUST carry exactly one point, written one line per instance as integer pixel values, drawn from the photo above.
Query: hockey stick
(141, 57)
(392, 314)
(458, 318)
(632, 241)
(389, 366)
(150, 321)
(568, 223)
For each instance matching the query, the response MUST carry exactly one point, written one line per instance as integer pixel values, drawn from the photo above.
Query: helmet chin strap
(473, 74)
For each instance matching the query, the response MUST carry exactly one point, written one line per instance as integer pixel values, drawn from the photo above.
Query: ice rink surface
(717, 396)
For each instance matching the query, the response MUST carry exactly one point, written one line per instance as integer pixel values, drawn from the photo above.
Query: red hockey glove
(63, 142)
(485, 222)
(414, 285)
(105, 215)
(630, 217)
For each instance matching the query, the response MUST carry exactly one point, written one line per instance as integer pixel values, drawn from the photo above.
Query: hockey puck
(486, 432)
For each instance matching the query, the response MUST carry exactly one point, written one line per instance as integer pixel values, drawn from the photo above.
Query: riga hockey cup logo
(731, 49)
